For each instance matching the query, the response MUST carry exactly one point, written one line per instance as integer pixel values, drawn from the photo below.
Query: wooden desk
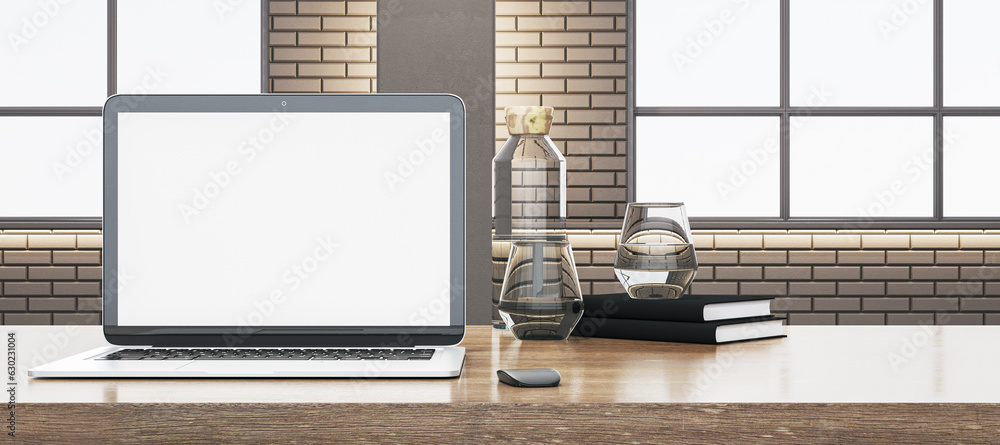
(879, 383)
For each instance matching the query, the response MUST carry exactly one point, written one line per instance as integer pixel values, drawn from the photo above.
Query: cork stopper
(529, 119)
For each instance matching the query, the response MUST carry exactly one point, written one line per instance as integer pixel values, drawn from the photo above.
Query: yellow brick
(590, 54)
(517, 8)
(295, 23)
(703, 241)
(541, 85)
(517, 39)
(987, 241)
(739, 241)
(590, 23)
(608, 100)
(570, 132)
(608, 242)
(506, 24)
(566, 100)
(361, 69)
(321, 69)
(565, 70)
(540, 54)
(321, 8)
(564, 38)
(361, 39)
(89, 241)
(786, 241)
(347, 54)
(296, 54)
(935, 241)
(281, 39)
(885, 241)
(608, 69)
(518, 69)
(347, 23)
(590, 116)
(13, 241)
(506, 54)
(296, 85)
(607, 38)
(565, 7)
(346, 85)
(506, 85)
(838, 241)
(617, 8)
(541, 23)
(326, 38)
(281, 69)
(590, 85)
(361, 8)
(276, 8)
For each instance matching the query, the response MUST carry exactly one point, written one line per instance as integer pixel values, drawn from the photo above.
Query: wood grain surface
(901, 384)
(511, 422)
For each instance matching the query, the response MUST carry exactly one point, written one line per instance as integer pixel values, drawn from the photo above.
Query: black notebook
(689, 308)
(710, 332)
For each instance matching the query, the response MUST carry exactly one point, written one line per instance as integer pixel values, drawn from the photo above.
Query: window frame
(784, 111)
(28, 223)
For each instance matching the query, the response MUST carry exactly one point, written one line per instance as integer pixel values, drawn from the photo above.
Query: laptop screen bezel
(285, 336)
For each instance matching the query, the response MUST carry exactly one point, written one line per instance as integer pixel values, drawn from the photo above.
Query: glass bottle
(529, 190)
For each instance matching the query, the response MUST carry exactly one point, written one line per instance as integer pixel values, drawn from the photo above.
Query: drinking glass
(541, 298)
(655, 258)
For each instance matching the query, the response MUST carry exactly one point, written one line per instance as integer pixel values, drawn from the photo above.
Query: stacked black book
(691, 319)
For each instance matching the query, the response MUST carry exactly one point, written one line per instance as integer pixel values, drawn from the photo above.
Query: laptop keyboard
(270, 354)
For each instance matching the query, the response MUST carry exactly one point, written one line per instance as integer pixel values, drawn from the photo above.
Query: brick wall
(831, 277)
(322, 46)
(571, 55)
(50, 277)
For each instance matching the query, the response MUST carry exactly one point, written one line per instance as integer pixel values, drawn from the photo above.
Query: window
(816, 111)
(63, 59)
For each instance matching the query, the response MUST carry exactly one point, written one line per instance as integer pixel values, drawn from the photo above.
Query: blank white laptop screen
(283, 219)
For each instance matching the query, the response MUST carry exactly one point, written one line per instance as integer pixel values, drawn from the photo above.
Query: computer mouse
(529, 378)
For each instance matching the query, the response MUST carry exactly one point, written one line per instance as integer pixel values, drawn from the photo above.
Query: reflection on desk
(788, 382)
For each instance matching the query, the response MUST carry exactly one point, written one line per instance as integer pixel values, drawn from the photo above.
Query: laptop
(281, 236)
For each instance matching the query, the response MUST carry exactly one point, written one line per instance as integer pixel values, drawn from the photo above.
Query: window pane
(50, 166)
(971, 156)
(717, 166)
(703, 53)
(861, 53)
(862, 167)
(189, 46)
(971, 65)
(55, 55)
